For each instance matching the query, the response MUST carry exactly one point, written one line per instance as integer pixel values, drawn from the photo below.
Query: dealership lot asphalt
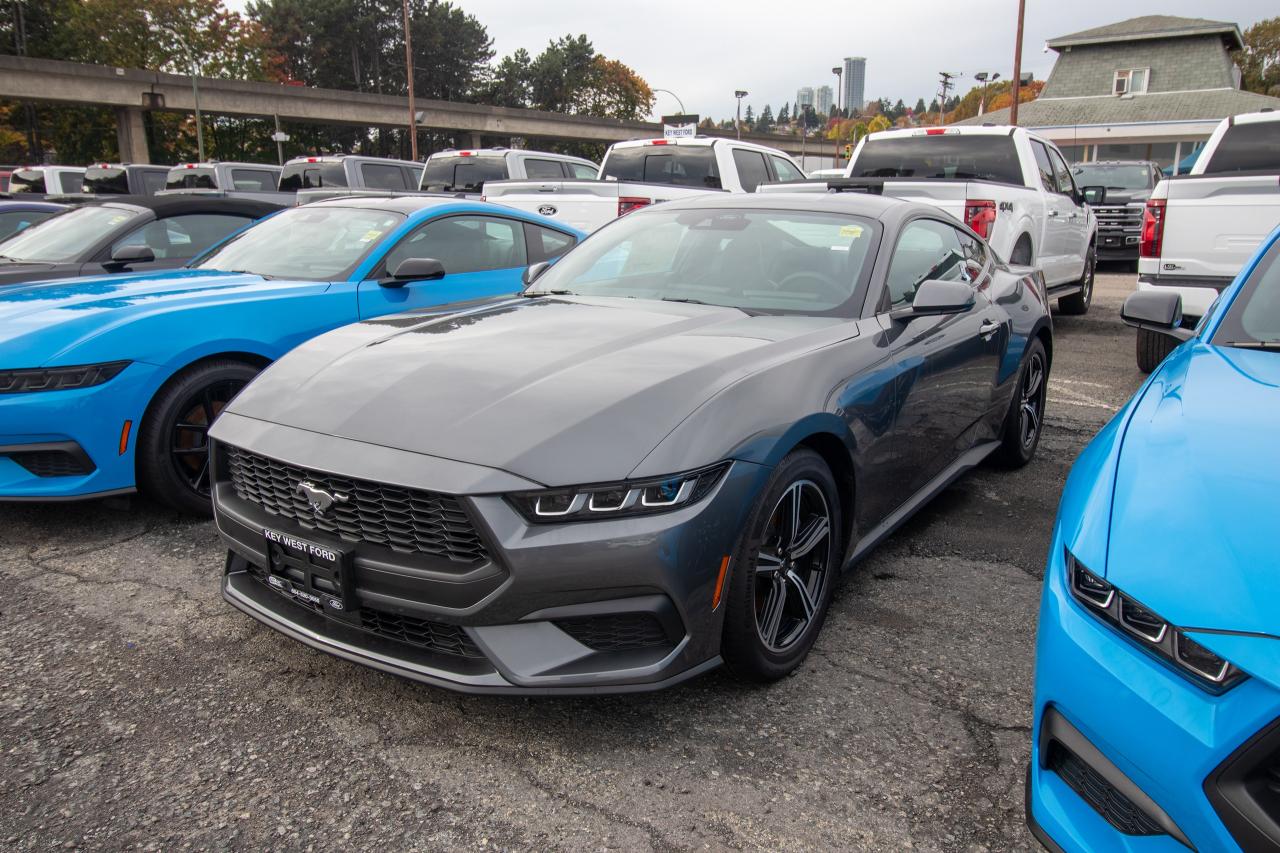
(137, 710)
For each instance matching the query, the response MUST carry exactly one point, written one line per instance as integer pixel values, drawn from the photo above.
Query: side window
(380, 176)
(786, 171)
(464, 244)
(413, 176)
(927, 249)
(975, 251)
(581, 170)
(72, 182)
(1043, 166)
(1066, 183)
(183, 237)
(535, 168)
(255, 180)
(546, 244)
(153, 181)
(751, 169)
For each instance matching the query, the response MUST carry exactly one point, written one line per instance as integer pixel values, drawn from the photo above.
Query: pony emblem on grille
(320, 500)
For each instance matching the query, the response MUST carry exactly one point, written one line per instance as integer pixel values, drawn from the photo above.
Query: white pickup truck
(647, 171)
(1011, 187)
(1199, 229)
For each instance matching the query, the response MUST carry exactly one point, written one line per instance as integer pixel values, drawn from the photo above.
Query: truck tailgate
(584, 204)
(948, 195)
(1214, 223)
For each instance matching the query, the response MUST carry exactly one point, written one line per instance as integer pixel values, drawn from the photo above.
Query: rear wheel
(173, 441)
(1078, 303)
(1153, 348)
(1025, 420)
(785, 570)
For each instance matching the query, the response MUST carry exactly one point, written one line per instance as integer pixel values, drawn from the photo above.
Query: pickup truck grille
(1119, 218)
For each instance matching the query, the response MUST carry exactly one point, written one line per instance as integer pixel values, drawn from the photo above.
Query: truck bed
(1213, 223)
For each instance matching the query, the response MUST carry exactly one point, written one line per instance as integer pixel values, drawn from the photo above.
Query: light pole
(984, 77)
(1017, 65)
(674, 95)
(839, 72)
(408, 70)
(195, 86)
(739, 94)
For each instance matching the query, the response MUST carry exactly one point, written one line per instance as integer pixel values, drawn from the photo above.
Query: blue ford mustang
(1157, 698)
(110, 383)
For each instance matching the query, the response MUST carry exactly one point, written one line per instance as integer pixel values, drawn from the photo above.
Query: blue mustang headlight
(614, 500)
(1150, 630)
(58, 378)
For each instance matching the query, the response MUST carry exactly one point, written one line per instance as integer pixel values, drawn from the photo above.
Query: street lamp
(674, 95)
(195, 84)
(740, 94)
(838, 71)
(984, 77)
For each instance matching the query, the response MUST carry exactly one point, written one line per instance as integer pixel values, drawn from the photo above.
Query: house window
(1131, 81)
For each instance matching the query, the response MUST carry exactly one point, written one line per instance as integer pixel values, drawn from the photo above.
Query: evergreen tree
(920, 107)
(764, 123)
(784, 116)
(749, 117)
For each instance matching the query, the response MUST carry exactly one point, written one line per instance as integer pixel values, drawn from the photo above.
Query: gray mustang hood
(557, 390)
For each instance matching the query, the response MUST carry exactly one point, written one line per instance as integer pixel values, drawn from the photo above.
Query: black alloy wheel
(1024, 422)
(189, 448)
(793, 565)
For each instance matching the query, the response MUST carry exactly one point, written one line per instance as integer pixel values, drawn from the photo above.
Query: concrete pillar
(475, 140)
(131, 135)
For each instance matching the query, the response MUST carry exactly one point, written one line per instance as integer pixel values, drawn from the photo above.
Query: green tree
(750, 117)
(569, 77)
(1260, 60)
(920, 108)
(764, 124)
(784, 115)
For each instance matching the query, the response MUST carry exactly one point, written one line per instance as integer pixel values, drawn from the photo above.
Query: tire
(1021, 254)
(1078, 303)
(766, 637)
(1024, 422)
(172, 450)
(1153, 348)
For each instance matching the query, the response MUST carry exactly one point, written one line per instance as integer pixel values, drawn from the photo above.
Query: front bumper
(67, 445)
(583, 607)
(1141, 741)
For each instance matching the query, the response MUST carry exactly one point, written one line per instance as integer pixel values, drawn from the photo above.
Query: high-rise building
(854, 83)
(804, 96)
(822, 100)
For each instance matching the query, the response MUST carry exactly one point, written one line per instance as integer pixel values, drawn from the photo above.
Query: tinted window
(27, 181)
(543, 168)
(414, 175)
(1254, 315)
(67, 236)
(1063, 173)
(382, 177)
(72, 182)
(254, 180)
(106, 181)
(546, 244)
(786, 171)
(13, 221)
(153, 182)
(191, 179)
(1043, 166)
(751, 169)
(685, 166)
(926, 250)
(1114, 176)
(308, 176)
(1253, 147)
(945, 155)
(464, 244)
(462, 174)
(581, 170)
(183, 236)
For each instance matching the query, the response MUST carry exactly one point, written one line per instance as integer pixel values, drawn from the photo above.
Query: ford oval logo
(547, 210)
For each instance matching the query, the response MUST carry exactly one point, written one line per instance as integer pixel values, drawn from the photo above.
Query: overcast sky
(704, 49)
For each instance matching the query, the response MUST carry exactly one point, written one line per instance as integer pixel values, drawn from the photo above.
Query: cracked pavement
(140, 711)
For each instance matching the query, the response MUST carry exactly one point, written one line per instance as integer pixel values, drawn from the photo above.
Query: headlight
(58, 378)
(617, 500)
(1150, 630)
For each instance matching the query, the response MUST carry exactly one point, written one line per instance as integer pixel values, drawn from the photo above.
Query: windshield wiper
(1275, 345)
(682, 299)
(530, 294)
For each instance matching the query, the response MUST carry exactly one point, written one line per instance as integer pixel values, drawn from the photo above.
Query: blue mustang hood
(1193, 525)
(39, 323)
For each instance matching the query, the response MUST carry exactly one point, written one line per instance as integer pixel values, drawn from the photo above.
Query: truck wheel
(1153, 347)
(1022, 252)
(1078, 303)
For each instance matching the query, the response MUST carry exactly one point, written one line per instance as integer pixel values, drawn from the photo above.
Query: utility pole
(195, 85)
(945, 78)
(1017, 65)
(408, 66)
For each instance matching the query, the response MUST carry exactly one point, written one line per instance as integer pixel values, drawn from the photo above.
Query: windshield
(941, 156)
(182, 178)
(679, 165)
(762, 261)
(308, 243)
(462, 174)
(1254, 315)
(65, 237)
(312, 175)
(1128, 177)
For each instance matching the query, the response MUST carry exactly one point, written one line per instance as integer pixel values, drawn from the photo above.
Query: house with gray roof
(1149, 88)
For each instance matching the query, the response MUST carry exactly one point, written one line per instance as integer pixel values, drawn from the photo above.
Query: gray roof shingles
(1206, 105)
(1148, 26)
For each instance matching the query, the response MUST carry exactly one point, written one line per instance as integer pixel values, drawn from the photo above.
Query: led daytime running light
(613, 500)
(28, 380)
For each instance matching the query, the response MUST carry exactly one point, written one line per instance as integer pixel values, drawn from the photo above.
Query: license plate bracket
(315, 574)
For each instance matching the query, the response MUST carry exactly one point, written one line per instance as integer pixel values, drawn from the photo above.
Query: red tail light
(659, 142)
(628, 203)
(1152, 229)
(980, 215)
(935, 131)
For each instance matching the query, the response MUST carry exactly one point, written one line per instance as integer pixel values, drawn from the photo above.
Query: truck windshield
(106, 180)
(1113, 176)
(1253, 147)
(1254, 316)
(182, 178)
(679, 165)
(64, 237)
(304, 243)
(461, 174)
(312, 175)
(761, 261)
(943, 156)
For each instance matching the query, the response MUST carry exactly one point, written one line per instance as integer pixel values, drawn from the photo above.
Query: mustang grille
(1117, 809)
(616, 632)
(410, 521)
(436, 636)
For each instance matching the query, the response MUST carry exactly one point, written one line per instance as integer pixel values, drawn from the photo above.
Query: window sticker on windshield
(854, 231)
(121, 217)
(371, 234)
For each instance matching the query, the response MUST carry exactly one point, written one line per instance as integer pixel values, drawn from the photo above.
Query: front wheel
(173, 440)
(1078, 303)
(1025, 419)
(784, 570)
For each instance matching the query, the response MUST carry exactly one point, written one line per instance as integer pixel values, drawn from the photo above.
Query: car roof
(1114, 163)
(868, 205)
(178, 204)
(409, 204)
(233, 163)
(24, 204)
(338, 158)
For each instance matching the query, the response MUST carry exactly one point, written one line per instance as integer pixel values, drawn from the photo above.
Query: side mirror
(532, 272)
(1094, 195)
(124, 256)
(414, 269)
(935, 297)
(1156, 311)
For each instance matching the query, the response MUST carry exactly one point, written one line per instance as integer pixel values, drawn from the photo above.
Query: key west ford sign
(679, 126)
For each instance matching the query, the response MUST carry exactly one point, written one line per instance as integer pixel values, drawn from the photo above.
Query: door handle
(1053, 213)
(987, 329)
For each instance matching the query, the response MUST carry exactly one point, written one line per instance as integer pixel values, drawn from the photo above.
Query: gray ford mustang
(657, 459)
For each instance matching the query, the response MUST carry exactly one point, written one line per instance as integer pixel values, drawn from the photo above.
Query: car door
(1075, 232)
(482, 256)
(174, 240)
(946, 364)
(1051, 253)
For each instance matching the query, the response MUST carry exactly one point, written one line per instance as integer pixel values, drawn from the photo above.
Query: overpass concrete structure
(130, 91)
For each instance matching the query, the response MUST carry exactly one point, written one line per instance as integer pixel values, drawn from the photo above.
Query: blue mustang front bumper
(68, 443)
(1127, 752)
